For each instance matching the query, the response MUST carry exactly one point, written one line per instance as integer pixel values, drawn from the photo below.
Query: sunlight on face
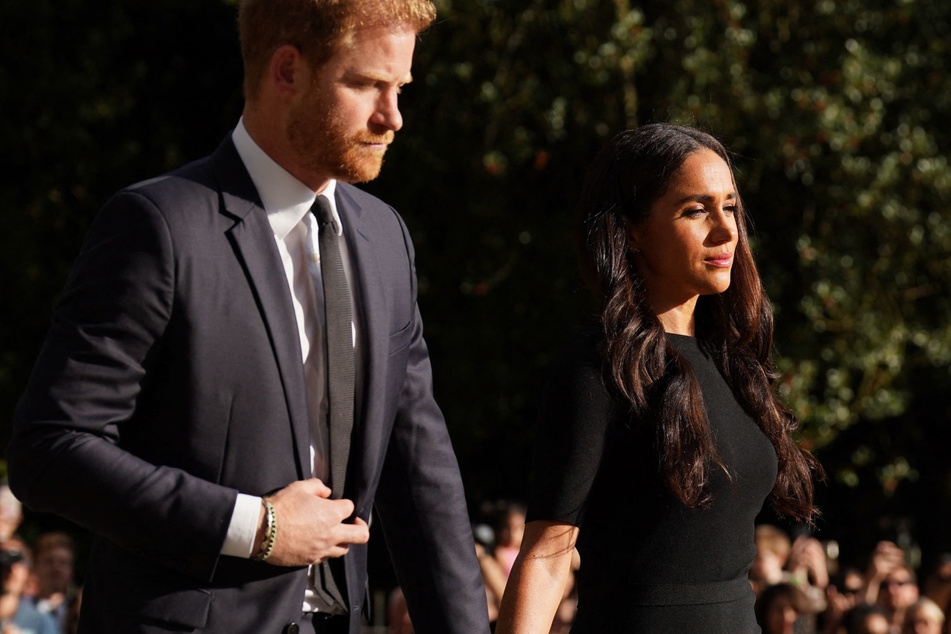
(341, 127)
(685, 248)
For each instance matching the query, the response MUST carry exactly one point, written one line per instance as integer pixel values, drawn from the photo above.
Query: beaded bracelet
(270, 535)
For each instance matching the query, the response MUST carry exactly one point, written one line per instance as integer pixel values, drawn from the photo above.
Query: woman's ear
(634, 238)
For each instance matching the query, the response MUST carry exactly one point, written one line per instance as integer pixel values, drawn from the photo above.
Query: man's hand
(310, 526)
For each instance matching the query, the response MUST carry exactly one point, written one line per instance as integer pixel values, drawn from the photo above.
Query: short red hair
(318, 28)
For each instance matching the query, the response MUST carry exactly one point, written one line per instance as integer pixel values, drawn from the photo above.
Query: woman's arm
(537, 583)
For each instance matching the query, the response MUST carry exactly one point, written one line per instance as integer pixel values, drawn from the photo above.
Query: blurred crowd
(497, 543)
(39, 596)
(800, 589)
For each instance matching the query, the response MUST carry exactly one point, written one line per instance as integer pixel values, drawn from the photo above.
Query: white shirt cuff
(243, 527)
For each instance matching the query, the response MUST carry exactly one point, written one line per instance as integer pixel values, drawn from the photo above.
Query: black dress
(649, 564)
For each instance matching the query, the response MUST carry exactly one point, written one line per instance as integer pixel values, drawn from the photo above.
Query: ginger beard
(323, 144)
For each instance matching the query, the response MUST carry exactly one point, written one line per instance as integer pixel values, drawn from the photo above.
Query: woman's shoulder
(577, 370)
(582, 353)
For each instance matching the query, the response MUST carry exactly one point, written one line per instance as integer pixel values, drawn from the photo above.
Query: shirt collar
(286, 200)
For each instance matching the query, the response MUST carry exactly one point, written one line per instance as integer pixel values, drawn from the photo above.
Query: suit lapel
(253, 242)
(373, 314)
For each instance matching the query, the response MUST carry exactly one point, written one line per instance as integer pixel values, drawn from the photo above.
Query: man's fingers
(352, 533)
(357, 533)
(316, 486)
(338, 551)
(346, 507)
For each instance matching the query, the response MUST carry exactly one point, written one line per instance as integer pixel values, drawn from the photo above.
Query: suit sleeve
(422, 507)
(66, 453)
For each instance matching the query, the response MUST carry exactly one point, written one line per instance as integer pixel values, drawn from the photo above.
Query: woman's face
(685, 247)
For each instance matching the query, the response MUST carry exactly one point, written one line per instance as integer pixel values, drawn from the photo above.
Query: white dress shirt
(287, 202)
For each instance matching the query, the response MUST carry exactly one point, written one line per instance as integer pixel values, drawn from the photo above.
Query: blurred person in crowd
(867, 619)
(923, 617)
(496, 555)
(808, 572)
(53, 558)
(776, 609)
(800, 563)
(565, 614)
(11, 513)
(885, 558)
(807, 564)
(18, 615)
(898, 592)
(397, 614)
(937, 583)
(660, 432)
(772, 553)
(493, 577)
(237, 376)
(842, 594)
(508, 536)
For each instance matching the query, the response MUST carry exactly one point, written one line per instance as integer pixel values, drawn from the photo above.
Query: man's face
(342, 124)
(54, 569)
(898, 590)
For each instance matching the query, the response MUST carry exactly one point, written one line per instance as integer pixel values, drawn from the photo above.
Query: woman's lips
(721, 260)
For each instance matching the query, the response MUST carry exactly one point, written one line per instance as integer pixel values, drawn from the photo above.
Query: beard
(323, 145)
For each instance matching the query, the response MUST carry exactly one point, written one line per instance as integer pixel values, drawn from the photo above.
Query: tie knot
(325, 216)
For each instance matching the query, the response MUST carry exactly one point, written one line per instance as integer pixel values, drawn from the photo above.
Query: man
(899, 591)
(890, 583)
(222, 328)
(53, 558)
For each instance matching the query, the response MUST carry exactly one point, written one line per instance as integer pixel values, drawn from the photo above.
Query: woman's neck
(679, 319)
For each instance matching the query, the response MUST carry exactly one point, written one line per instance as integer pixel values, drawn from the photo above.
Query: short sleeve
(574, 415)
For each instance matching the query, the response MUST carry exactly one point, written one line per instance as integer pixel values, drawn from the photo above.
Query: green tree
(834, 109)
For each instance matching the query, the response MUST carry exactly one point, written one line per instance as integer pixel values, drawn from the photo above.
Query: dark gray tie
(340, 371)
(339, 331)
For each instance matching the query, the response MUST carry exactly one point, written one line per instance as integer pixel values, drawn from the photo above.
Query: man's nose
(388, 111)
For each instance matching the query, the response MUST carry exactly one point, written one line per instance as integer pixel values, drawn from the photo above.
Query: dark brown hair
(734, 327)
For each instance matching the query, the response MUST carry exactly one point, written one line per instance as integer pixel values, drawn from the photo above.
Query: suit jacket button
(292, 628)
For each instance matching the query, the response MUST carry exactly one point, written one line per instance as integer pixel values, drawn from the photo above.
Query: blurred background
(837, 111)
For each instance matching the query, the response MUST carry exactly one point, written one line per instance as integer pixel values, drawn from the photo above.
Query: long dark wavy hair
(735, 327)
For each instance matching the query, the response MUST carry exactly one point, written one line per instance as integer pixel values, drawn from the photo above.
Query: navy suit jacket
(171, 380)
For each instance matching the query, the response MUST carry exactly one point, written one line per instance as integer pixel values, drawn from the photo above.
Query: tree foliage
(834, 110)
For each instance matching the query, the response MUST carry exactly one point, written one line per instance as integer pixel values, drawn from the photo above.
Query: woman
(660, 434)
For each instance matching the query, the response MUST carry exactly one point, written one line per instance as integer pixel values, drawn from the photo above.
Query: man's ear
(287, 70)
